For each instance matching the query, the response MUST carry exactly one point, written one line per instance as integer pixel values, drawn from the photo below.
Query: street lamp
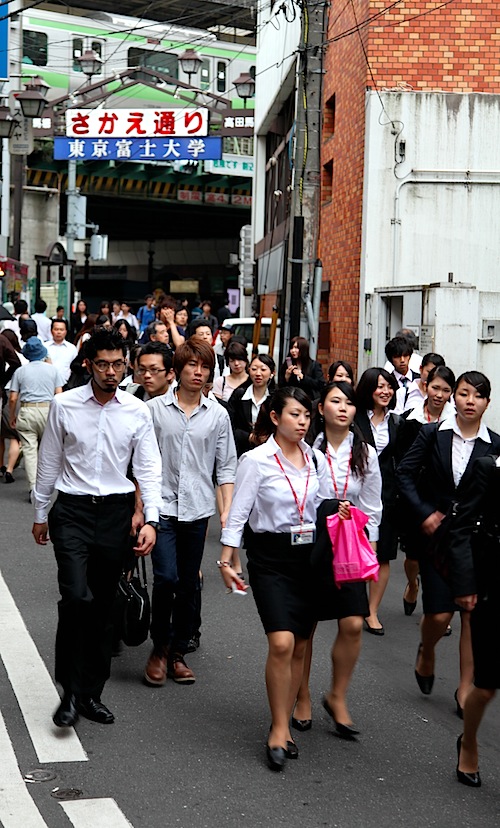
(190, 62)
(7, 122)
(90, 62)
(245, 87)
(33, 100)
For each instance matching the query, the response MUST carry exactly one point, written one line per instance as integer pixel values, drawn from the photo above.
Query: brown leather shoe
(179, 671)
(156, 668)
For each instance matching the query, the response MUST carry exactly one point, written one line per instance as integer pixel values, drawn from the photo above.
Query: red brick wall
(454, 49)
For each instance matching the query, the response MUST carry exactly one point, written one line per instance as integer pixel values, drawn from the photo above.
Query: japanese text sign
(137, 123)
(137, 149)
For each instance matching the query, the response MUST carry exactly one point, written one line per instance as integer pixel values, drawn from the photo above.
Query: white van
(244, 326)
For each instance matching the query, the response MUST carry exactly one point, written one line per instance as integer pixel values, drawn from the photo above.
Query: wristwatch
(153, 523)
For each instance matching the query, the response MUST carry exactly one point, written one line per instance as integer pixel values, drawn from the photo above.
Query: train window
(251, 71)
(165, 62)
(35, 48)
(221, 76)
(205, 75)
(79, 48)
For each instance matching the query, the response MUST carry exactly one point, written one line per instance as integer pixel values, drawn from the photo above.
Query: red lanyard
(333, 474)
(426, 409)
(300, 506)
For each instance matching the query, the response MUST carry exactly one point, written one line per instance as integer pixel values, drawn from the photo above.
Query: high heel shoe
(425, 683)
(410, 606)
(301, 724)
(473, 780)
(276, 757)
(460, 710)
(345, 731)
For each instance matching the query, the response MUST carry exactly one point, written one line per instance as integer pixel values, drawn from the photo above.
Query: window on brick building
(327, 182)
(329, 118)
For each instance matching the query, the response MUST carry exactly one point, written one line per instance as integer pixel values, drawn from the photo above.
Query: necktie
(404, 382)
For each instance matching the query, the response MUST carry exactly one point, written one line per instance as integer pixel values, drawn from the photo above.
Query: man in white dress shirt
(61, 352)
(42, 321)
(91, 435)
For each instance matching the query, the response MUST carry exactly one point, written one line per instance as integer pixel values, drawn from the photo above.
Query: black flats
(374, 630)
(345, 731)
(425, 683)
(302, 724)
(472, 780)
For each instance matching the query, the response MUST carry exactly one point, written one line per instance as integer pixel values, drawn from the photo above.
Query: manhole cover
(39, 775)
(66, 793)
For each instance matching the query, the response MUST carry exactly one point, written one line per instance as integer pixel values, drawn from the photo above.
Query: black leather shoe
(473, 780)
(409, 606)
(292, 750)
(66, 714)
(94, 710)
(302, 724)
(345, 731)
(425, 683)
(276, 757)
(374, 630)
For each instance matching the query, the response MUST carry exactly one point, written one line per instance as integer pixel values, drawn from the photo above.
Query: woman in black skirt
(278, 487)
(474, 564)
(354, 479)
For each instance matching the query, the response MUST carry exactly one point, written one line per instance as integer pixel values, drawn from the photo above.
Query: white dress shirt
(418, 412)
(262, 494)
(86, 450)
(363, 492)
(190, 449)
(131, 319)
(414, 365)
(43, 324)
(462, 447)
(62, 356)
(409, 397)
(380, 431)
(256, 404)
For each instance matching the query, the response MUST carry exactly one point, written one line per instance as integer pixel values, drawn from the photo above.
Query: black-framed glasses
(103, 365)
(153, 371)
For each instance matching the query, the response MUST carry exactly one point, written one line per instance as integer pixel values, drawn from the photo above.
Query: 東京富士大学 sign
(136, 123)
(137, 149)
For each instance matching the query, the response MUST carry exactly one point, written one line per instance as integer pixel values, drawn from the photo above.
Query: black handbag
(136, 613)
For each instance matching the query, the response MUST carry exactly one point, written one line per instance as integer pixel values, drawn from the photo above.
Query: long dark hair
(303, 346)
(359, 458)
(131, 331)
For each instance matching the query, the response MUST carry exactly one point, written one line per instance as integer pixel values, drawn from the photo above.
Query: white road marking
(16, 805)
(95, 813)
(33, 686)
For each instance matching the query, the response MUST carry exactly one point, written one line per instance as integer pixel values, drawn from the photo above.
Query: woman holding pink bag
(355, 479)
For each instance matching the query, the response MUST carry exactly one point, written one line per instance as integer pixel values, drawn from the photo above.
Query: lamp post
(245, 87)
(190, 62)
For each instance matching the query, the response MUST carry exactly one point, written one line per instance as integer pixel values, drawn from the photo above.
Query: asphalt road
(193, 756)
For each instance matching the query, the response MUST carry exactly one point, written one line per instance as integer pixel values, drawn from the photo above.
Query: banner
(137, 123)
(137, 149)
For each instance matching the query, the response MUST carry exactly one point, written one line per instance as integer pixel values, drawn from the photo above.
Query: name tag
(303, 533)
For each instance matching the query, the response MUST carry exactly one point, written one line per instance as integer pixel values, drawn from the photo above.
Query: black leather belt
(94, 499)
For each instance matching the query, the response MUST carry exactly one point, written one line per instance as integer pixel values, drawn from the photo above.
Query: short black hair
(58, 322)
(235, 350)
(60, 307)
(433, 359)
(40, 306)
(368, 383)
(340, 363)
(20, 306)
(197, 323)
(410, 335)
(397, 347)
(104, 339)
(157, 348)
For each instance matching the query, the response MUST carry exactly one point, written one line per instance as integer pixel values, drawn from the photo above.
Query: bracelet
(220, 564)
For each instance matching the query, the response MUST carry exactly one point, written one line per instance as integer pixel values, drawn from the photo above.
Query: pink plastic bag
(353, 557)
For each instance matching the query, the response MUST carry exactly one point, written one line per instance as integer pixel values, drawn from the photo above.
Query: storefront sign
(232, 165)
(137, 123)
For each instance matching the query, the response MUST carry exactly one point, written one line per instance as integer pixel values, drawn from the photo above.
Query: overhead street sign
(136, 123)
(137, 149)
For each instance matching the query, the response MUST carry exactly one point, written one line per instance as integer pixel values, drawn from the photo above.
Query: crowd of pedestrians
(147, 424)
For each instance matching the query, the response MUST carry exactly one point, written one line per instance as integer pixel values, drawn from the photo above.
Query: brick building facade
(416, 46)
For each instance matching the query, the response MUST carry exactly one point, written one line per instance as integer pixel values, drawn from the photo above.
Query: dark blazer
(312, 383)
(240, 412)
(474, 550)
(425, 475)
(387, 458)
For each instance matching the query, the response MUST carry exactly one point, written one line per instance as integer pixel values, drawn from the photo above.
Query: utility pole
(300, 315)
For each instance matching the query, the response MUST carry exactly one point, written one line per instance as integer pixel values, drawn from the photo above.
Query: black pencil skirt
(484, 623)
(280, 577)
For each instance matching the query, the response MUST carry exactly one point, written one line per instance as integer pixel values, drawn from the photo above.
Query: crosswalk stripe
(35, 692)
(95, 813)
(16, 805)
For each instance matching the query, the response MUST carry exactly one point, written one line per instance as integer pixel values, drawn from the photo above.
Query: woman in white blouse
(376, 395)
(236, 359)
(354, 478)
(278, 487)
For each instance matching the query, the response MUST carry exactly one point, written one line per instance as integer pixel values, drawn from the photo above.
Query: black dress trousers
(90, 538)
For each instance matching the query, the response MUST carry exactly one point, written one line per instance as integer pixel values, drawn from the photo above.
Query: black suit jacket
(425, 475)
(387, 457)
(473, 552)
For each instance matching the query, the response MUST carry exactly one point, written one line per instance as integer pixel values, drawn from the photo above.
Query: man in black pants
(92, 433)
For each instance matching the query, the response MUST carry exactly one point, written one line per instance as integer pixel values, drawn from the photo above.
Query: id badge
(303, 533)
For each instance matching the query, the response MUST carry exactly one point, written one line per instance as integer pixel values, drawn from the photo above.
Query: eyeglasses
(153, 371)
(102, 365)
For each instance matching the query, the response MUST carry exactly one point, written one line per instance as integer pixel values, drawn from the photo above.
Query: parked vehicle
(244, 326)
